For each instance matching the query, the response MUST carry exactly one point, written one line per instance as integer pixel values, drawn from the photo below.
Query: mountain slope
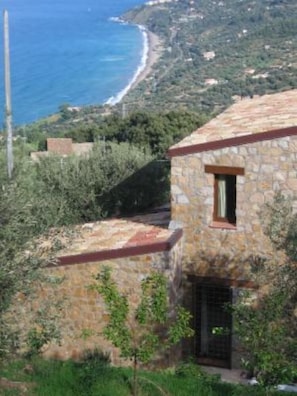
(217, 51)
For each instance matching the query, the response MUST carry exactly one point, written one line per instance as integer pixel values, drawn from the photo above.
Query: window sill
(223, 225)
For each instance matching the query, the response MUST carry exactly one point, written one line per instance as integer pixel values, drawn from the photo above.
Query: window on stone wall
(224, 207)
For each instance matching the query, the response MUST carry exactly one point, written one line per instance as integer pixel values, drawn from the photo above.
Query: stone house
(221, 176)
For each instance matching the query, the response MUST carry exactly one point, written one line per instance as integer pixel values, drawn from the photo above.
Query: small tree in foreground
(267, 327)
(142, 333)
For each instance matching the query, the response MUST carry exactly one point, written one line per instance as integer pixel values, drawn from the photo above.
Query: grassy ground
(94, 376)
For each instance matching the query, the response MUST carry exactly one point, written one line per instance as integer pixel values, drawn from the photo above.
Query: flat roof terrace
(117, 238)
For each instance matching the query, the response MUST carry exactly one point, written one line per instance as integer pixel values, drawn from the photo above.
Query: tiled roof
(115, 238)
(244, 118)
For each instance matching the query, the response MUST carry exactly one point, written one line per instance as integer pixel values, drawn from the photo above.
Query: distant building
(211, 81)
(63, 147)
(209, 55)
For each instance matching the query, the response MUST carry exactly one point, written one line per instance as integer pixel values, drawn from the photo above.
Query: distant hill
(216, 52)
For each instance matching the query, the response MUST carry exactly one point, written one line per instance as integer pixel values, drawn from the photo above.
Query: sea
(72, 52)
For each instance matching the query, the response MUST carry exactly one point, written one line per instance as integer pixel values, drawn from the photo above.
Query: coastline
(152, 50)
(155, 50)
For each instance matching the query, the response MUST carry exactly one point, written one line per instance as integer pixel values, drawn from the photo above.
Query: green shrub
(189, 369)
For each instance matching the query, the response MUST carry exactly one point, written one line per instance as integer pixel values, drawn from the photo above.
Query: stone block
(182, 199)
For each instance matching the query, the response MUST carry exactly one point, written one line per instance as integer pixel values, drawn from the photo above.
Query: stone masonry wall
(83, 310)
(270, 166)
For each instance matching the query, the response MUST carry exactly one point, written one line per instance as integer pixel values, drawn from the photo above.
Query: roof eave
(108, 254)
(231, 142)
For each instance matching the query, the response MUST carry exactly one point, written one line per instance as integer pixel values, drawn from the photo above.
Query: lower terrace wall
(83, 310)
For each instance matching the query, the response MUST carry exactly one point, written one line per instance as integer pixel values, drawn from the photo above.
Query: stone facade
(82, 310)
(60, 146)
(253, 147)
(269, 166)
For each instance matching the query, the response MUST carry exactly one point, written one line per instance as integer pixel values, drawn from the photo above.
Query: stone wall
(83, 310)
(269, 166)
(59, 146)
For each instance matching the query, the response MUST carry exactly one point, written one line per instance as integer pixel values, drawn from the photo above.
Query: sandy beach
(154, 52)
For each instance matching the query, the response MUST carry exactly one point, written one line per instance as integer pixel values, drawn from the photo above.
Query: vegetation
(152, 132)
(252, 51)
(267, 326)
(58, 192)
(142, 333)
(94, 376)
(24, 214)
(104, 183)
(252, 45)
(122, 175)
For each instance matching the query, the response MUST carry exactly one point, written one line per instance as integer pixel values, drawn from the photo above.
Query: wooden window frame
(223, 222)
(224, 170)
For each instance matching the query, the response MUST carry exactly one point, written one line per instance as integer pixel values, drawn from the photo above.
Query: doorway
(213, 325)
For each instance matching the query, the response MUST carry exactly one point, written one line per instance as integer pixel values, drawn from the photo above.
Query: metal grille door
(213, 325)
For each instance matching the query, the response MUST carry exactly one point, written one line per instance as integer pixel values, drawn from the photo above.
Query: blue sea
(68, 51)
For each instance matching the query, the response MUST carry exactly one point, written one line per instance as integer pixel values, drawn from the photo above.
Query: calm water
(67, 51)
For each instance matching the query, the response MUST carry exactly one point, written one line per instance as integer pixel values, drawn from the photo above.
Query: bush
(189, 369)
(112, 179)
(94, 363)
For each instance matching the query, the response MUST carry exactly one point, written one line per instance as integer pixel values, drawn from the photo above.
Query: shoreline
(155, 50)
(152, 50)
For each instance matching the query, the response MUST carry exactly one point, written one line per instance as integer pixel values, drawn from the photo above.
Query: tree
(104, 183)
(25, 213)
(65, 111)
(267, 326)
(141, 334)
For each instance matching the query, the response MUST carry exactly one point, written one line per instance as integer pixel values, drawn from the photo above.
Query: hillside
(215, 52)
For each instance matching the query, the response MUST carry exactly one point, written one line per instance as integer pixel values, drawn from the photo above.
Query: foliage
(141, 334)
(267, 326)
(94, 376)
(25, 213)
(262, 330)
(189, 369)
(253, 46)
(152, 132)
(112, 179)
(146, 188)
(93, 362)
(45, 328)
(56, 192)
(276, 217)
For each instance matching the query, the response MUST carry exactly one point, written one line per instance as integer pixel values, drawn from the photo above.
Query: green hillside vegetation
(254, 45)
(153, 132)
(214, 52)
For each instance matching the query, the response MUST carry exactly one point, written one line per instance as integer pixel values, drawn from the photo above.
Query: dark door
(213, 325)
